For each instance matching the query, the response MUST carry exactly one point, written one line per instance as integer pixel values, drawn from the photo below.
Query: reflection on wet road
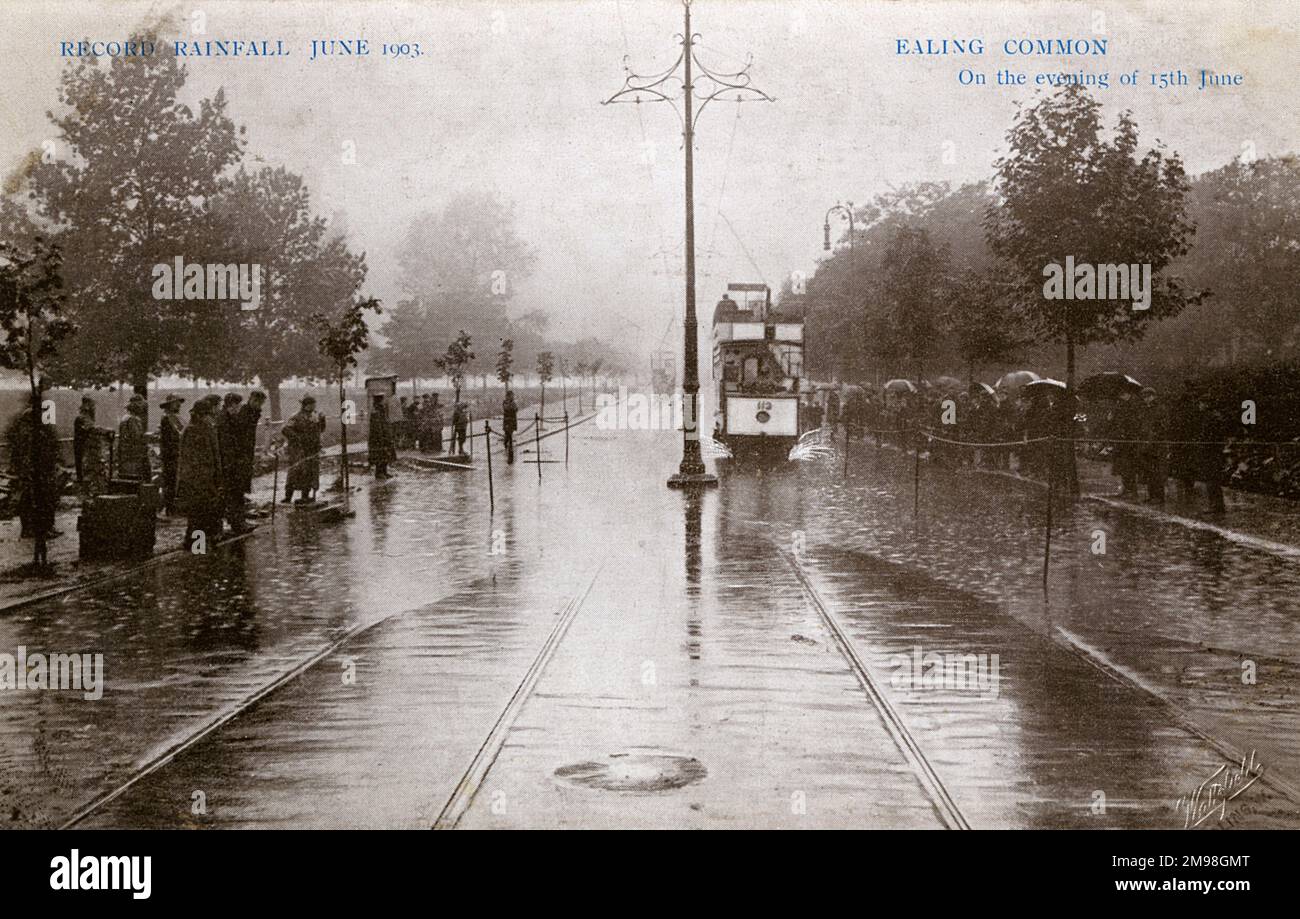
(698, 682)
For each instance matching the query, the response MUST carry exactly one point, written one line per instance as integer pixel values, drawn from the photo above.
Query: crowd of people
(1147, 439)
(204, 471)
(204, 467)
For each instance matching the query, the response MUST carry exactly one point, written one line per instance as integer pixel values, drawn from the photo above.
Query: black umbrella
(1038, 387)
(1108, 385)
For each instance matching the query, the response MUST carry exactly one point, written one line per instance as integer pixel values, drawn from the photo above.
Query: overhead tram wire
(740, 242)
(645, 145)
(722, 189)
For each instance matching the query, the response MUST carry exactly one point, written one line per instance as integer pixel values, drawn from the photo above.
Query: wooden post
(487, 437)
(537, 444)
(275, 487)
(566, 438)
(1047, 542)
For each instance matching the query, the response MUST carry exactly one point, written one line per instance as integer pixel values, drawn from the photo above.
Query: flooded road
(790, 649)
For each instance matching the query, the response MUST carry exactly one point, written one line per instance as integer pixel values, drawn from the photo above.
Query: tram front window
(750, 371)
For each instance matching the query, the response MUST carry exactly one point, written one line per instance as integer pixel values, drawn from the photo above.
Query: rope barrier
(1108, 440)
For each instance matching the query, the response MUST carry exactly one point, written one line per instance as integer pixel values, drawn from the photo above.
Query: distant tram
(757, 370)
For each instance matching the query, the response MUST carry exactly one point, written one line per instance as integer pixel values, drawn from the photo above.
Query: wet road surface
(602, 651)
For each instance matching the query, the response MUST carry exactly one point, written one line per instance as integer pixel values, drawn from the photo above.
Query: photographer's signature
(1212, 796)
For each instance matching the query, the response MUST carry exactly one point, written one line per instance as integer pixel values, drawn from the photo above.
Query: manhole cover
(634, 772)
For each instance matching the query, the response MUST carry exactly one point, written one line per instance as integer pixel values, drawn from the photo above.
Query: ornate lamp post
(845, 211)
(661, 88)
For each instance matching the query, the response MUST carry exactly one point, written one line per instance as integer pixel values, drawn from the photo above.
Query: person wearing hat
(459, 427)
(199, 491)
(230, 439)
(250, 416)
(1154, 455)
(303, 433)
(170, 430)
(81, 434)
(509, 423)
(381, 444)
(132, 449)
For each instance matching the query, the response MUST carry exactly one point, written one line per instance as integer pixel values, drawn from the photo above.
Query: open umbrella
(900, 386)
(1046, 385)
(1108, 385)
(949, 384)
(1016, 379)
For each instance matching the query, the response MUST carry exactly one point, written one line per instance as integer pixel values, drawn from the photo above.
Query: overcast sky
(507, 97)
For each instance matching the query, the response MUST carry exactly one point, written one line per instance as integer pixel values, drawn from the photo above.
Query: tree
(916, 285)
(983, 322)
(456, 361)
(464, 264)
(1248, 251)
(133, 189)
(580, 368)
(505, 361)
(407, 352)
(342, 337)
(1065, 190)
(545, 370)
(848, 329)
(31, 302)
(267, 219)
(1069, 191)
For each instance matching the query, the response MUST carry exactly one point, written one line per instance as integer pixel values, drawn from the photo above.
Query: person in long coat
(435, 424)
(303, 433)
(132, 449)
(36, 491)
(250, 416)
(82, 428)
(424, 424)
(459, 427)
(380, 444)
(200, 491)
(170, 430)
(509, 423)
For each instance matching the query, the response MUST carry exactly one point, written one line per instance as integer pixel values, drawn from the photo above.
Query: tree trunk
(272, 387)
(39, 550)
(344, 472)
(140, 382)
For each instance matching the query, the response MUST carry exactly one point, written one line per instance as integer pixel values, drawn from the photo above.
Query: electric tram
(757, 372)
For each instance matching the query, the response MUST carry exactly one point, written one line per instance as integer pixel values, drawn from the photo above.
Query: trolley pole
(736, 87)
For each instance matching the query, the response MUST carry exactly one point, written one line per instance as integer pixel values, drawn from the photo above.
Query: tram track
(462, 795)
(940, 798)
(163, 759)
